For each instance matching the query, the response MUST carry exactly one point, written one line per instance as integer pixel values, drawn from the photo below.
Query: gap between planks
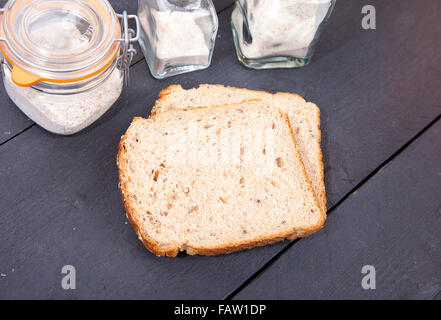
(330, 210)
(18, 133)
(333, 208)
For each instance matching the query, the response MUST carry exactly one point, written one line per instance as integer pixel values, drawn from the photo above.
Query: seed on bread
(304, 117)
(209, 199)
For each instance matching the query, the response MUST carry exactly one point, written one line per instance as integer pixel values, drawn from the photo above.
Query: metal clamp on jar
(64, 62)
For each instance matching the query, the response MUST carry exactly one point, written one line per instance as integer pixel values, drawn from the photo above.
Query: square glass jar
(177, 36)
(278, 33)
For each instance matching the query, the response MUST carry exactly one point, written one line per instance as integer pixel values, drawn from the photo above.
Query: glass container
(177, 36)
(278, 33)
(63, 61)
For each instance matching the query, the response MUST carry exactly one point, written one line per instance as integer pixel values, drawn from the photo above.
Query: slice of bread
(304, 117)
(215, 180)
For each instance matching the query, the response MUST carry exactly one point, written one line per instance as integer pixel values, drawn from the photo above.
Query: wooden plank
(222, 4)
(392, 223)
(13, 121)
(60, 205)
(59, 199)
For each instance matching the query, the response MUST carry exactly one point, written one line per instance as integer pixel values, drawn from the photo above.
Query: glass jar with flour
(63, 61)
(278, 33)
(177, 36)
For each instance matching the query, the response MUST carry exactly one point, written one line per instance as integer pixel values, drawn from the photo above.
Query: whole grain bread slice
(304, 118)
(215, 180)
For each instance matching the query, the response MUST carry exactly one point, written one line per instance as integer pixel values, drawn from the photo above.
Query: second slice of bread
(304, 117)
(190, 180)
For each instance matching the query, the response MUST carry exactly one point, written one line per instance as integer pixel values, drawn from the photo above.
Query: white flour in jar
(176, 38)
(60, 36)
(280, 27)
(65, 114)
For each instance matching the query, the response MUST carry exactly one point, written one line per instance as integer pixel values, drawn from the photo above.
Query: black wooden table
(380, 96)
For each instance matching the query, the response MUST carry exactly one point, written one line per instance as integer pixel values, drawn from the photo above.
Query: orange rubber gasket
(24, 78)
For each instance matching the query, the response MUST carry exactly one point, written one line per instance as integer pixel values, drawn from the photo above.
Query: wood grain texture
(59, 199)
(61, 205)
(393, 223)
(222, 4)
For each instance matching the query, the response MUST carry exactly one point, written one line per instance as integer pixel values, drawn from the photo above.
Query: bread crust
(322, 196)
(154, 247)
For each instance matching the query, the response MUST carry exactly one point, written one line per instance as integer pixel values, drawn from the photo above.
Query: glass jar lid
(58, 40)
